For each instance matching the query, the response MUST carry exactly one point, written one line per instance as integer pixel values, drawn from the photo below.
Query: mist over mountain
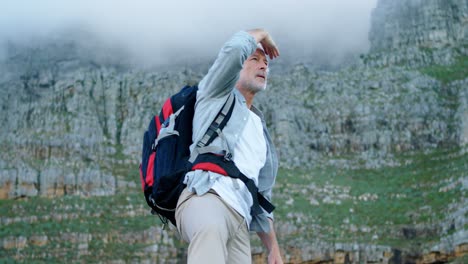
(367, 106)
(160, 33)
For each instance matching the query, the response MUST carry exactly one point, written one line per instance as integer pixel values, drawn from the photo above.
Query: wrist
(275, 256)
(258, 34)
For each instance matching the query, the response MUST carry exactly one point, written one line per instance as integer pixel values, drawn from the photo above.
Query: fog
(159, 32)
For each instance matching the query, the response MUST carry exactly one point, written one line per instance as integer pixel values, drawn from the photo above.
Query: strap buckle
(227, 156)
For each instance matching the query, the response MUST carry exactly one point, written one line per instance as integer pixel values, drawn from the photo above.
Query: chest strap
(226, 167)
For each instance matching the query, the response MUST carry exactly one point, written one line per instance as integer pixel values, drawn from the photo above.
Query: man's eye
(254, 58)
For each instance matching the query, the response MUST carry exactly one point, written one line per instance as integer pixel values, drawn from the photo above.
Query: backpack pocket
(169, 175)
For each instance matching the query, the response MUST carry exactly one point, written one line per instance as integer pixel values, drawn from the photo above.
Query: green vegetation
(448, 73)
(85, 215)
(370, 206)
(374, 202)
(117, 220)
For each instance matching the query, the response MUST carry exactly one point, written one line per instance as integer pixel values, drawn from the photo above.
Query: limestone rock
(38, 240)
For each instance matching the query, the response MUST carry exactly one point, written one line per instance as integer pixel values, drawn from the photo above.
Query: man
(213, 212)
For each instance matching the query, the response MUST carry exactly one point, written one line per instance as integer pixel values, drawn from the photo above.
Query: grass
(60, 251)
(104, 218)
(88, 215)
(403, 197)
(450, 73)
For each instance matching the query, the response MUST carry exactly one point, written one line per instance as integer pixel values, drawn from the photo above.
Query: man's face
(253, 76)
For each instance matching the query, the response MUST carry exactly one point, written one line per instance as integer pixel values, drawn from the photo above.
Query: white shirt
(249, 157)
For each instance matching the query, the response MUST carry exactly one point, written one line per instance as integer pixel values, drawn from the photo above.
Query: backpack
(166, 156)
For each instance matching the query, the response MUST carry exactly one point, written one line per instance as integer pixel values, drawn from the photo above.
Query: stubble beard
(255, 86)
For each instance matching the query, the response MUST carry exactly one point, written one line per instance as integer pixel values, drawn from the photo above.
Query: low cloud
(158, 32)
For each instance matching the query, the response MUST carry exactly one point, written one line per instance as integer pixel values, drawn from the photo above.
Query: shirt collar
(254, 109)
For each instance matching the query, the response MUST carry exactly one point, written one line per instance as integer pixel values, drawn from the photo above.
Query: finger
(264, 46)
(268, 52)
(273, 53)
(265, 49)
(276, 52)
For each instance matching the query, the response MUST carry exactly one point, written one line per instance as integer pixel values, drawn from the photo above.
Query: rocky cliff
(67, 119)
(418, 23)
(73, 113)
(418, 32)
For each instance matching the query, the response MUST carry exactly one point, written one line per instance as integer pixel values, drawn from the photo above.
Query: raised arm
(224, 73)
(263, 37)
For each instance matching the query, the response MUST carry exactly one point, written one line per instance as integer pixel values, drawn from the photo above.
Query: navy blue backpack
(166, 152)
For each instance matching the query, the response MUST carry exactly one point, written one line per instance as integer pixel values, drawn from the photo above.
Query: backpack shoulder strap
(215, 129)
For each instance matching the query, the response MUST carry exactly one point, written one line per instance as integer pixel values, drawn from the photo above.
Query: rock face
(418, 32)
(421, 23)
(72, 114)
(69, 121)
(372, 113)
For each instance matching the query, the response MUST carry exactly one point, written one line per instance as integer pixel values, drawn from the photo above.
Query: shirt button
(245, 118)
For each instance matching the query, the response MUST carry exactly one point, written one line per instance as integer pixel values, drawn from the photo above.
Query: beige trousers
(216, 233)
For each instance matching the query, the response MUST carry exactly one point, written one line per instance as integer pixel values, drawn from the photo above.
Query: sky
(156, 31)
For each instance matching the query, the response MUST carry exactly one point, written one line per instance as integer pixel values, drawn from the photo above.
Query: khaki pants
(216, 233)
